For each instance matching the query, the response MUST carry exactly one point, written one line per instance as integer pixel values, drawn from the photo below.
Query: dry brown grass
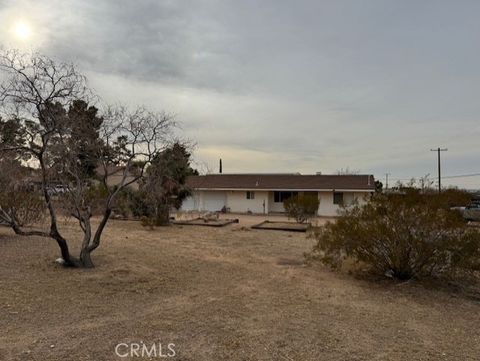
(218, 294)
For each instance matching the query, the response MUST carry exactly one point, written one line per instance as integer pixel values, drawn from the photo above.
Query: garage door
(188, 204)
(214, 201)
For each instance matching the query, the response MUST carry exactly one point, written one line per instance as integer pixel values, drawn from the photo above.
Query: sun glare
(22, 30)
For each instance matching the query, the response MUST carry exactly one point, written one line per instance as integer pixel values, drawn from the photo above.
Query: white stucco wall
(328, 209)
(237, 202)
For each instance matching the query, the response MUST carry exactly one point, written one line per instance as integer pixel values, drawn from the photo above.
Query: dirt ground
(218, 294)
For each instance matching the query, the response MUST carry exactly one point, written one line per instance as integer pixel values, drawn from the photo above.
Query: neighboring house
(265, 193)
(115, 176)
(33, 177)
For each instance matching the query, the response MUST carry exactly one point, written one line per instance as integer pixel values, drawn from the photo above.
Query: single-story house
(115, 176)
(265, 193)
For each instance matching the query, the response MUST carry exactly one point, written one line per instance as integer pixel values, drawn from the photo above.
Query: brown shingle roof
(281, 182)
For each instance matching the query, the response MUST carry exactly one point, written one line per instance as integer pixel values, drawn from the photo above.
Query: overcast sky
(283, 86)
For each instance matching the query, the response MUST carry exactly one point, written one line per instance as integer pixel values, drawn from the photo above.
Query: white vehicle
(57, 189)
(472, 211)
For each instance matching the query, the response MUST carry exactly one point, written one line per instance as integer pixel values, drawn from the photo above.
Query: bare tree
(37, 97)
(423, 184)
(130, 141)
(32, 84)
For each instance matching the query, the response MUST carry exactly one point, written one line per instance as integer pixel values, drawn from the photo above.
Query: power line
(463, 175)
(448, 176)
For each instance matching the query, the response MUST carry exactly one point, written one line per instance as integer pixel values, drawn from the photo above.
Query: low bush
(24, 207)
(157, 217)
(131, 203)
(408, 235)
(142, 205)
(301, 207)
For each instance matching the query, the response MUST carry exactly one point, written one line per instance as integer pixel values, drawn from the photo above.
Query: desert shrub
(130, 203)
(405, 236)
(19, 203)
(148, 222)
(139, 204)
(25, 207)
(454, 197)
(156, 216)
(301, 207)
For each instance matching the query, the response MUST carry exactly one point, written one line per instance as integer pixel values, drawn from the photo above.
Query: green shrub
(147, 222)
(96, 195)
(157, 218)
(402, 235)
(131, 203)
(301, 207)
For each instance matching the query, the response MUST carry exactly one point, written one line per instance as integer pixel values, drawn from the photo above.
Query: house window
(338, 198)
(279, 197)
(250, 195)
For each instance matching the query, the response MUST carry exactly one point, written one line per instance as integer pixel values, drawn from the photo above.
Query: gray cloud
(285, 86)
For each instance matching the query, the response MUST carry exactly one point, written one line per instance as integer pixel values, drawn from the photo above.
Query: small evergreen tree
(164, 184)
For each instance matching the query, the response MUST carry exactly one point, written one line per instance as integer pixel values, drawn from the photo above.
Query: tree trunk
(54, 233)
(86, 258)
(62, 243)
(89, 246)
(163, 215)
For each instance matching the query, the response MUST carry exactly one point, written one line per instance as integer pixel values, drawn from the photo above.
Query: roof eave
(286, 189)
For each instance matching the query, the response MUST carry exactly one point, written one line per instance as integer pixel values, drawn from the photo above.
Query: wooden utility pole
(438, 150)
(386, 180)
